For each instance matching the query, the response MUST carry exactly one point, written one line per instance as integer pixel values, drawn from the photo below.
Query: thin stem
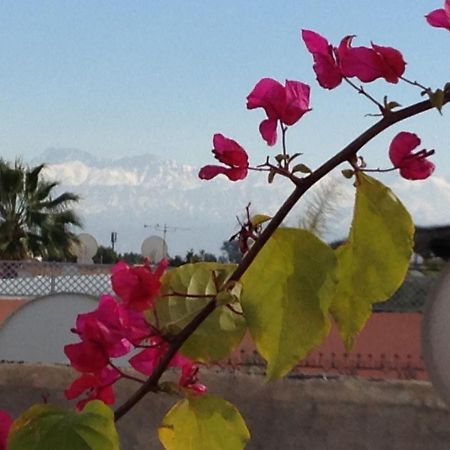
(415, 83)
(283, 172)
(283, 140)
(378, 170)
(125, 375)
(185, 295)
(362, 91)
(346, 154)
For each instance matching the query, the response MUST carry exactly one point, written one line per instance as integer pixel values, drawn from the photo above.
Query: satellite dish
(86, 249)
(436, 335)
(154, 248)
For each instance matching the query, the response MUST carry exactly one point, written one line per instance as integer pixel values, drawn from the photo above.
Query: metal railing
(34, 278)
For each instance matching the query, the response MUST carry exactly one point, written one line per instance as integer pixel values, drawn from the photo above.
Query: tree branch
(306, 183)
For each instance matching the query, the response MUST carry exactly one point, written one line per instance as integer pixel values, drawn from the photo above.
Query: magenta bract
(5, 424)
(137, 286)
(366, 64)
(228, 152)
(413, 166)
(96, 387)
(440, 18)
(325, 65)
(286, 104)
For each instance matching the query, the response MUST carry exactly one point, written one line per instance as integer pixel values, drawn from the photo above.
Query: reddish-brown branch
(305, 183)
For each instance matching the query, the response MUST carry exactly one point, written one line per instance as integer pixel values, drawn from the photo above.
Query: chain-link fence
(412, 295)
(33, 278)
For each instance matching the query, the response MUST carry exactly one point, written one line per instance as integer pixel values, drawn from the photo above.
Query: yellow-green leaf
(200, 423)
(183, 291)
(48, 427)
(259, 219)
(373, 263)
(287, 291)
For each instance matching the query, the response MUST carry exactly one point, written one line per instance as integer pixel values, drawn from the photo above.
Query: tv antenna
(164, 228)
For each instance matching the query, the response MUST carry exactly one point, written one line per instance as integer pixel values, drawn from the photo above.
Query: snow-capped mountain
(123, 195)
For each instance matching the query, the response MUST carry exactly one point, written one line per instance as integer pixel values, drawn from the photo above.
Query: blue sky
(116, 78)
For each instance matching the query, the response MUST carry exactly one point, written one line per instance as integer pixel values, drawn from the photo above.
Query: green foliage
(286, 296)
(48, 427)
(105, 255)
(231, 251)
(131, 258)
(374, 261)
(201, 256)
(199, 423)
(33, 222)
(185, 291)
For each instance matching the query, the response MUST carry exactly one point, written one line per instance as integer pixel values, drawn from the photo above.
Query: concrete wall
(389, 346)
(313, 414)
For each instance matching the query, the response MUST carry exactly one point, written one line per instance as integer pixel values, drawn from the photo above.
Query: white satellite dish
(86, 249)
(436, 335)
(154, 248)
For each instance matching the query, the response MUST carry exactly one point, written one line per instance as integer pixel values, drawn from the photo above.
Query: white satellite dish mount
(154, 248)
(86, 248)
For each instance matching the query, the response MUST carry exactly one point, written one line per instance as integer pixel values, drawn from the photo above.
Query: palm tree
(33, 222)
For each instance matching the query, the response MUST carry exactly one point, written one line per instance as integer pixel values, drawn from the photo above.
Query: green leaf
(437, 99)
(179, 303)
(392, 105)
(375, 259)
(48, 427)
(206, 422)
(259, 219)
(287, 291)
(271, 176)
(303, 168)
(348, 173)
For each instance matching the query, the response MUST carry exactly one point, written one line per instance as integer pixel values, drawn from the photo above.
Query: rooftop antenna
(164, 228)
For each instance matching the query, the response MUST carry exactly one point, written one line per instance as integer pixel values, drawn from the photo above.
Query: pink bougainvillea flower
(331, 65)
(392, 63)
(325, 65)
(369, 64)
(95, 387)
(135, 327)
(137, 286)
(440, 18)
(146, 361)
(228, 152)
(5, 424)
(413, 166)
(87, 356)
(105, 326)
(286, 104)
(189, 379)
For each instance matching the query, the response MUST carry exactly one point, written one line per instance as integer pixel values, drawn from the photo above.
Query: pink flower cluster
(116, 327)
(440, 18)
(333, 64)
(413, 166)
(5, 425)
(285, 104)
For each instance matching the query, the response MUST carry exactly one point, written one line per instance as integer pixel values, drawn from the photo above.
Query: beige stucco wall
(313, 414)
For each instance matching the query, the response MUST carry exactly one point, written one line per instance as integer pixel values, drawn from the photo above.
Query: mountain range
(136, 196)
